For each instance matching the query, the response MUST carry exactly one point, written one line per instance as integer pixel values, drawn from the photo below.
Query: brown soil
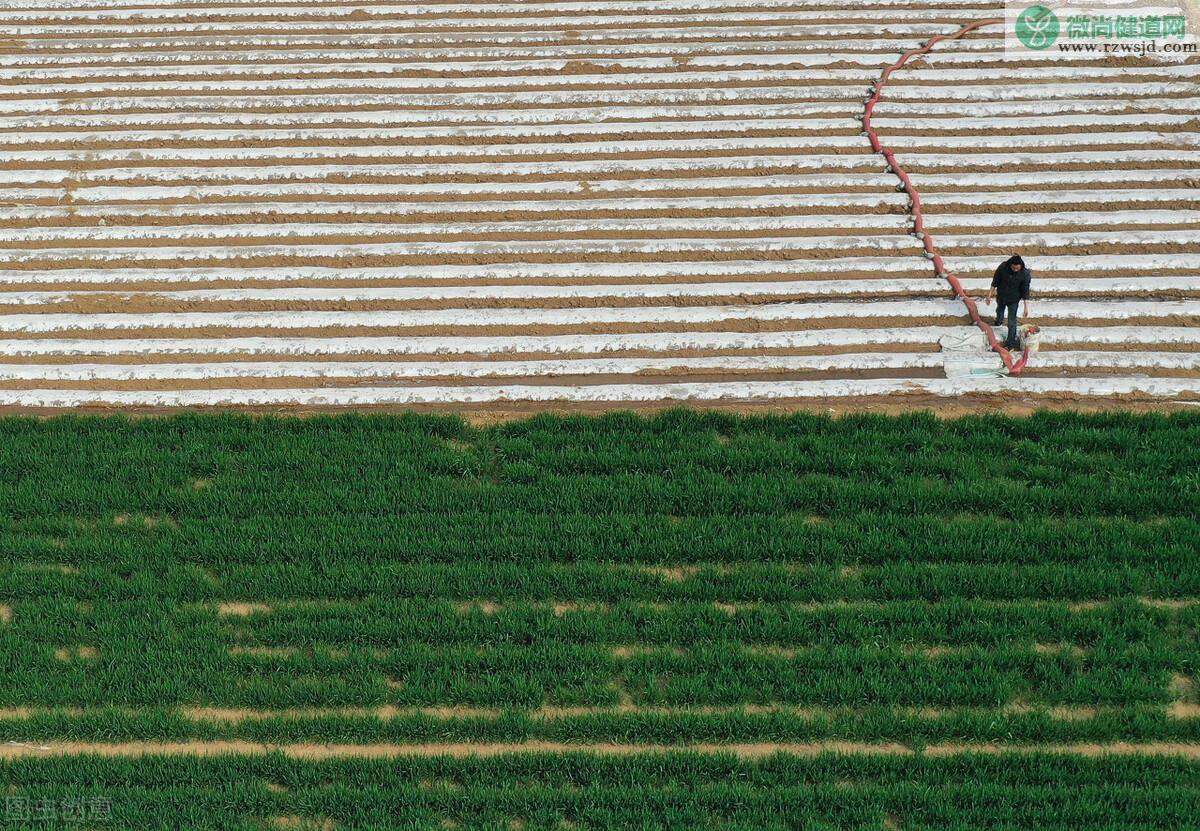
(1116, 142)
(934, 653)
(625, 707)
(151, 303)
(1173, 604)
(1058, 649)
(561, 209)
(303, 823)
(601, 66)
(946, 213)
(148, 521)
(563, 608)
(384, 713)
(486, 607)
(673, 574)
(749, 751)
(766, 275)
(1184, 689)
(732, 323)
(641, 81)
(349, 238)
(354, 260)
(597, 607)
(242, 609)
(1020, 708)
(266, 651)
(59, 568)
(76, 653)
(624, 653)
(772, 651)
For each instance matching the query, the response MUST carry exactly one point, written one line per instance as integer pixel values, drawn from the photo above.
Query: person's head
(1015, 263)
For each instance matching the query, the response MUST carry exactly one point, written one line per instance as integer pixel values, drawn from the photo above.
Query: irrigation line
(1014, 366)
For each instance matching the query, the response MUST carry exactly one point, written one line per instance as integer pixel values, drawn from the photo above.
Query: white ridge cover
(306, 204)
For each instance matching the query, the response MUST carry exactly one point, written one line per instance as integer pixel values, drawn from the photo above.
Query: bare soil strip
(316, 752)
(236, 715)
(489, 606)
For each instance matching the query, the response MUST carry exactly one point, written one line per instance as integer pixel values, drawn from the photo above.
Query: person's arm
(995, 282)
(1025, 289)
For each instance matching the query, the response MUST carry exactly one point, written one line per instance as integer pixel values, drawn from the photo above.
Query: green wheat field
(689, 621)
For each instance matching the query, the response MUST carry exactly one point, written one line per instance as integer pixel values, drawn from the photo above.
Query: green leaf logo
(1037, 27)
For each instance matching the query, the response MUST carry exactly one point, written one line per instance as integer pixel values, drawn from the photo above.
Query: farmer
(1010, 285)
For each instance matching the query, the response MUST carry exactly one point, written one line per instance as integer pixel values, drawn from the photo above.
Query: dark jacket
(1010, 285)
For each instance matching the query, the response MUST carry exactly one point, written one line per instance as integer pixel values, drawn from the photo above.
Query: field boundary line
(763, 750)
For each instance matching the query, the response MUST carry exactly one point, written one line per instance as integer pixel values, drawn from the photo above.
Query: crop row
(968, 484)
(1106, 628)
(373, 468)
(1035, 791)
(141, 532)
(646, 726)
(1118, 627)
(142, 654)
(570, 677)
(606, 722)
(350, 579)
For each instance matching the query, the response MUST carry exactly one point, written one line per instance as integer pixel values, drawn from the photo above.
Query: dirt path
(317, 752)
